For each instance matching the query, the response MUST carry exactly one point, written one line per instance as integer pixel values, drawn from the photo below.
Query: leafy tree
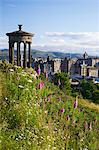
(90, 91)
(96, 96)
(62, 80)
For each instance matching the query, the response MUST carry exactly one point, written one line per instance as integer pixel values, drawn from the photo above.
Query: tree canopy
(89, 90)
(62, 80)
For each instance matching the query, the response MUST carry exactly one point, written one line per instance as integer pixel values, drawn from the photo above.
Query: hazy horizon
(53, 51)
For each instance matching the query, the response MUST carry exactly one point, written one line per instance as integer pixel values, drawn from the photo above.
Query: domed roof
(19, 32)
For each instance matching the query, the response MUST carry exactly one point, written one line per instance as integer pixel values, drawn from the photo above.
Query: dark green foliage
(64, 84)
(42, 76)
(90, 91)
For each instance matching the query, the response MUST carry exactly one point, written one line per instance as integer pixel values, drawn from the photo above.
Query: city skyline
(59, 25)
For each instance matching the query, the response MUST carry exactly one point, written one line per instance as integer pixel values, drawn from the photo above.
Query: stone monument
(20, 37)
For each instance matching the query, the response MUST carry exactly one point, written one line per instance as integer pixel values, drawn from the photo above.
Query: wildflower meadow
(37, 115)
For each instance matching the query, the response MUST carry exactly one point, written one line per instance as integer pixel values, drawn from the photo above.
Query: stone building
(83, 69)
(95, 62)
(64, 65)
(71, 66)
(74, 67)
(56, 65)
(68, 65)
(93, 72)
(89, 61)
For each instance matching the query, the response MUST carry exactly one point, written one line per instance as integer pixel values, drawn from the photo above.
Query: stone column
(12, 53)
(10, 49)
(29, 55)
(18, 54)
(25, 59)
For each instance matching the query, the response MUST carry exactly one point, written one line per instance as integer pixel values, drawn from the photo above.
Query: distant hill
(36, 53)
(4, 54)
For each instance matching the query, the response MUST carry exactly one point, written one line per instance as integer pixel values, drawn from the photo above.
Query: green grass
(31, 118)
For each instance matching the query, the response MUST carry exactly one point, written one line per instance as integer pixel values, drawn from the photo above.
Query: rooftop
(19, 32)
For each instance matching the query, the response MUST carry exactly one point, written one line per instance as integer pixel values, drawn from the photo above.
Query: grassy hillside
(36, 115)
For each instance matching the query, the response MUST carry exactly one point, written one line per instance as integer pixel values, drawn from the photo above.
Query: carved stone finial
(20, 27)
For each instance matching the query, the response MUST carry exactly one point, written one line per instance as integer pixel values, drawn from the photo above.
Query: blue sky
(50, 19)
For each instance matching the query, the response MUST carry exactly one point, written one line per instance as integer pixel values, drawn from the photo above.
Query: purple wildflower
(68, 118)
(39, 71)
(75, 103)
(41, 85)
(62, 110)
(59, 99)
(46, 75)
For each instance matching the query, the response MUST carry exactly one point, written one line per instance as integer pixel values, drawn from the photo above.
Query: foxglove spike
(41, 85)
(39, 71)
(75, 104)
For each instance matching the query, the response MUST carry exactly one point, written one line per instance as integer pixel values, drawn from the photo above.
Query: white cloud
(58, 42)
(75, 41)
(38, 45)
(74, 35)
(55, 33)
(3, 42)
